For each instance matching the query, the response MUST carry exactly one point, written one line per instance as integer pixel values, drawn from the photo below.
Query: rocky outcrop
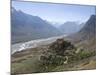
(58, 53)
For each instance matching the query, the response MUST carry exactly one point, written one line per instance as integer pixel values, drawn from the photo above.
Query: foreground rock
(57, 53)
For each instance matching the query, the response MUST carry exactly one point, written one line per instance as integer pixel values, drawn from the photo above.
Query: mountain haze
(70, 27)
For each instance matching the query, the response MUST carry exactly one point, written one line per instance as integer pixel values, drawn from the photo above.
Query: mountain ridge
(27, 27)
(86, 37)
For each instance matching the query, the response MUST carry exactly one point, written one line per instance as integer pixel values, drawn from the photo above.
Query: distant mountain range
(70, 27)
(26, 27)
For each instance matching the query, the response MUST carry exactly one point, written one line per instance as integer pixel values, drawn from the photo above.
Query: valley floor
(27, 62)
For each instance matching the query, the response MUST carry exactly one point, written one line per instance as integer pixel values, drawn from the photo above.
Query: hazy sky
(56, 12)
